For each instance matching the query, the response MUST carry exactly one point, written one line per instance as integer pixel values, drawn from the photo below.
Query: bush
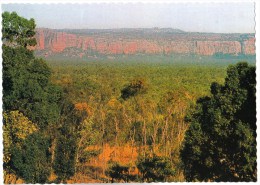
(155, 169)
(118, 172)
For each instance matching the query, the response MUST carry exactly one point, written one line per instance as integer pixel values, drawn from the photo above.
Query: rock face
(81, 43)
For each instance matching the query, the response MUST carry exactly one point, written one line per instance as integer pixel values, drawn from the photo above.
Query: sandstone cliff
(139, 41)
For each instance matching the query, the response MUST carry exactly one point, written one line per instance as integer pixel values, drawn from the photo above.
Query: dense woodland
(103, 121)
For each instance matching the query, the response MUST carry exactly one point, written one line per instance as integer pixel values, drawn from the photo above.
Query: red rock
(40, 41)
(188, 43)
(212, 47)
(249, 46)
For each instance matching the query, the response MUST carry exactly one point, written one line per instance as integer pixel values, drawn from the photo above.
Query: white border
(257, 34)
(121, 1)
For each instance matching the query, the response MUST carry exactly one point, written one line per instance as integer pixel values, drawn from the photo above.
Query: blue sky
(200, 17)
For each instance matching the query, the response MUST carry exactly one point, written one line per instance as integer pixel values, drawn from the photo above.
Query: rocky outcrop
(134, 42)
(213, 47)
(249, 46)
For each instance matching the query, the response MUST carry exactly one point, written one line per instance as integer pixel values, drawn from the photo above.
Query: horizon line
(144, 28)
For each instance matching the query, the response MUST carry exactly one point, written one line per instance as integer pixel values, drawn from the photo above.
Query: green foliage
(136, 87)
(107, 78)
(154, 117)
(26, 79)
(64, 163)
(15, 74)
(28, 97)
(87, 136)
(15, 130)
(18, 31)
(27, 88)
(66, 146)
(117, 171)
(31, 160)
(155, 168)
(220, 144)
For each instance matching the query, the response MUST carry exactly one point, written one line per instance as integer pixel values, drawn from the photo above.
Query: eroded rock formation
(137, 41)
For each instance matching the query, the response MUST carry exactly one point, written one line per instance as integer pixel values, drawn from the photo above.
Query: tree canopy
(30, 102)
(137, 86)
(15, 130)
(117, 171)
(220, 144)
(155, 168)
(31, 160)
(26, 79)
(18, 31)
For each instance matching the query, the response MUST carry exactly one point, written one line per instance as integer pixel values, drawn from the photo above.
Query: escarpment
(145, 41)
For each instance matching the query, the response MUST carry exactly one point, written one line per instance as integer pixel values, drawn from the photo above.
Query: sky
(194, 17)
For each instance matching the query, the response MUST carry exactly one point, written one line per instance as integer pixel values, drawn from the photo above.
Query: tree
(67, 141)
(15, 75)
(220, 144)
(15, 130)
(137, 86)
(18, 31)
(31, 160)
(26, 79)
(117, 171)
(86, 136)
(155, 168)
(27, 87)
(65, 157)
